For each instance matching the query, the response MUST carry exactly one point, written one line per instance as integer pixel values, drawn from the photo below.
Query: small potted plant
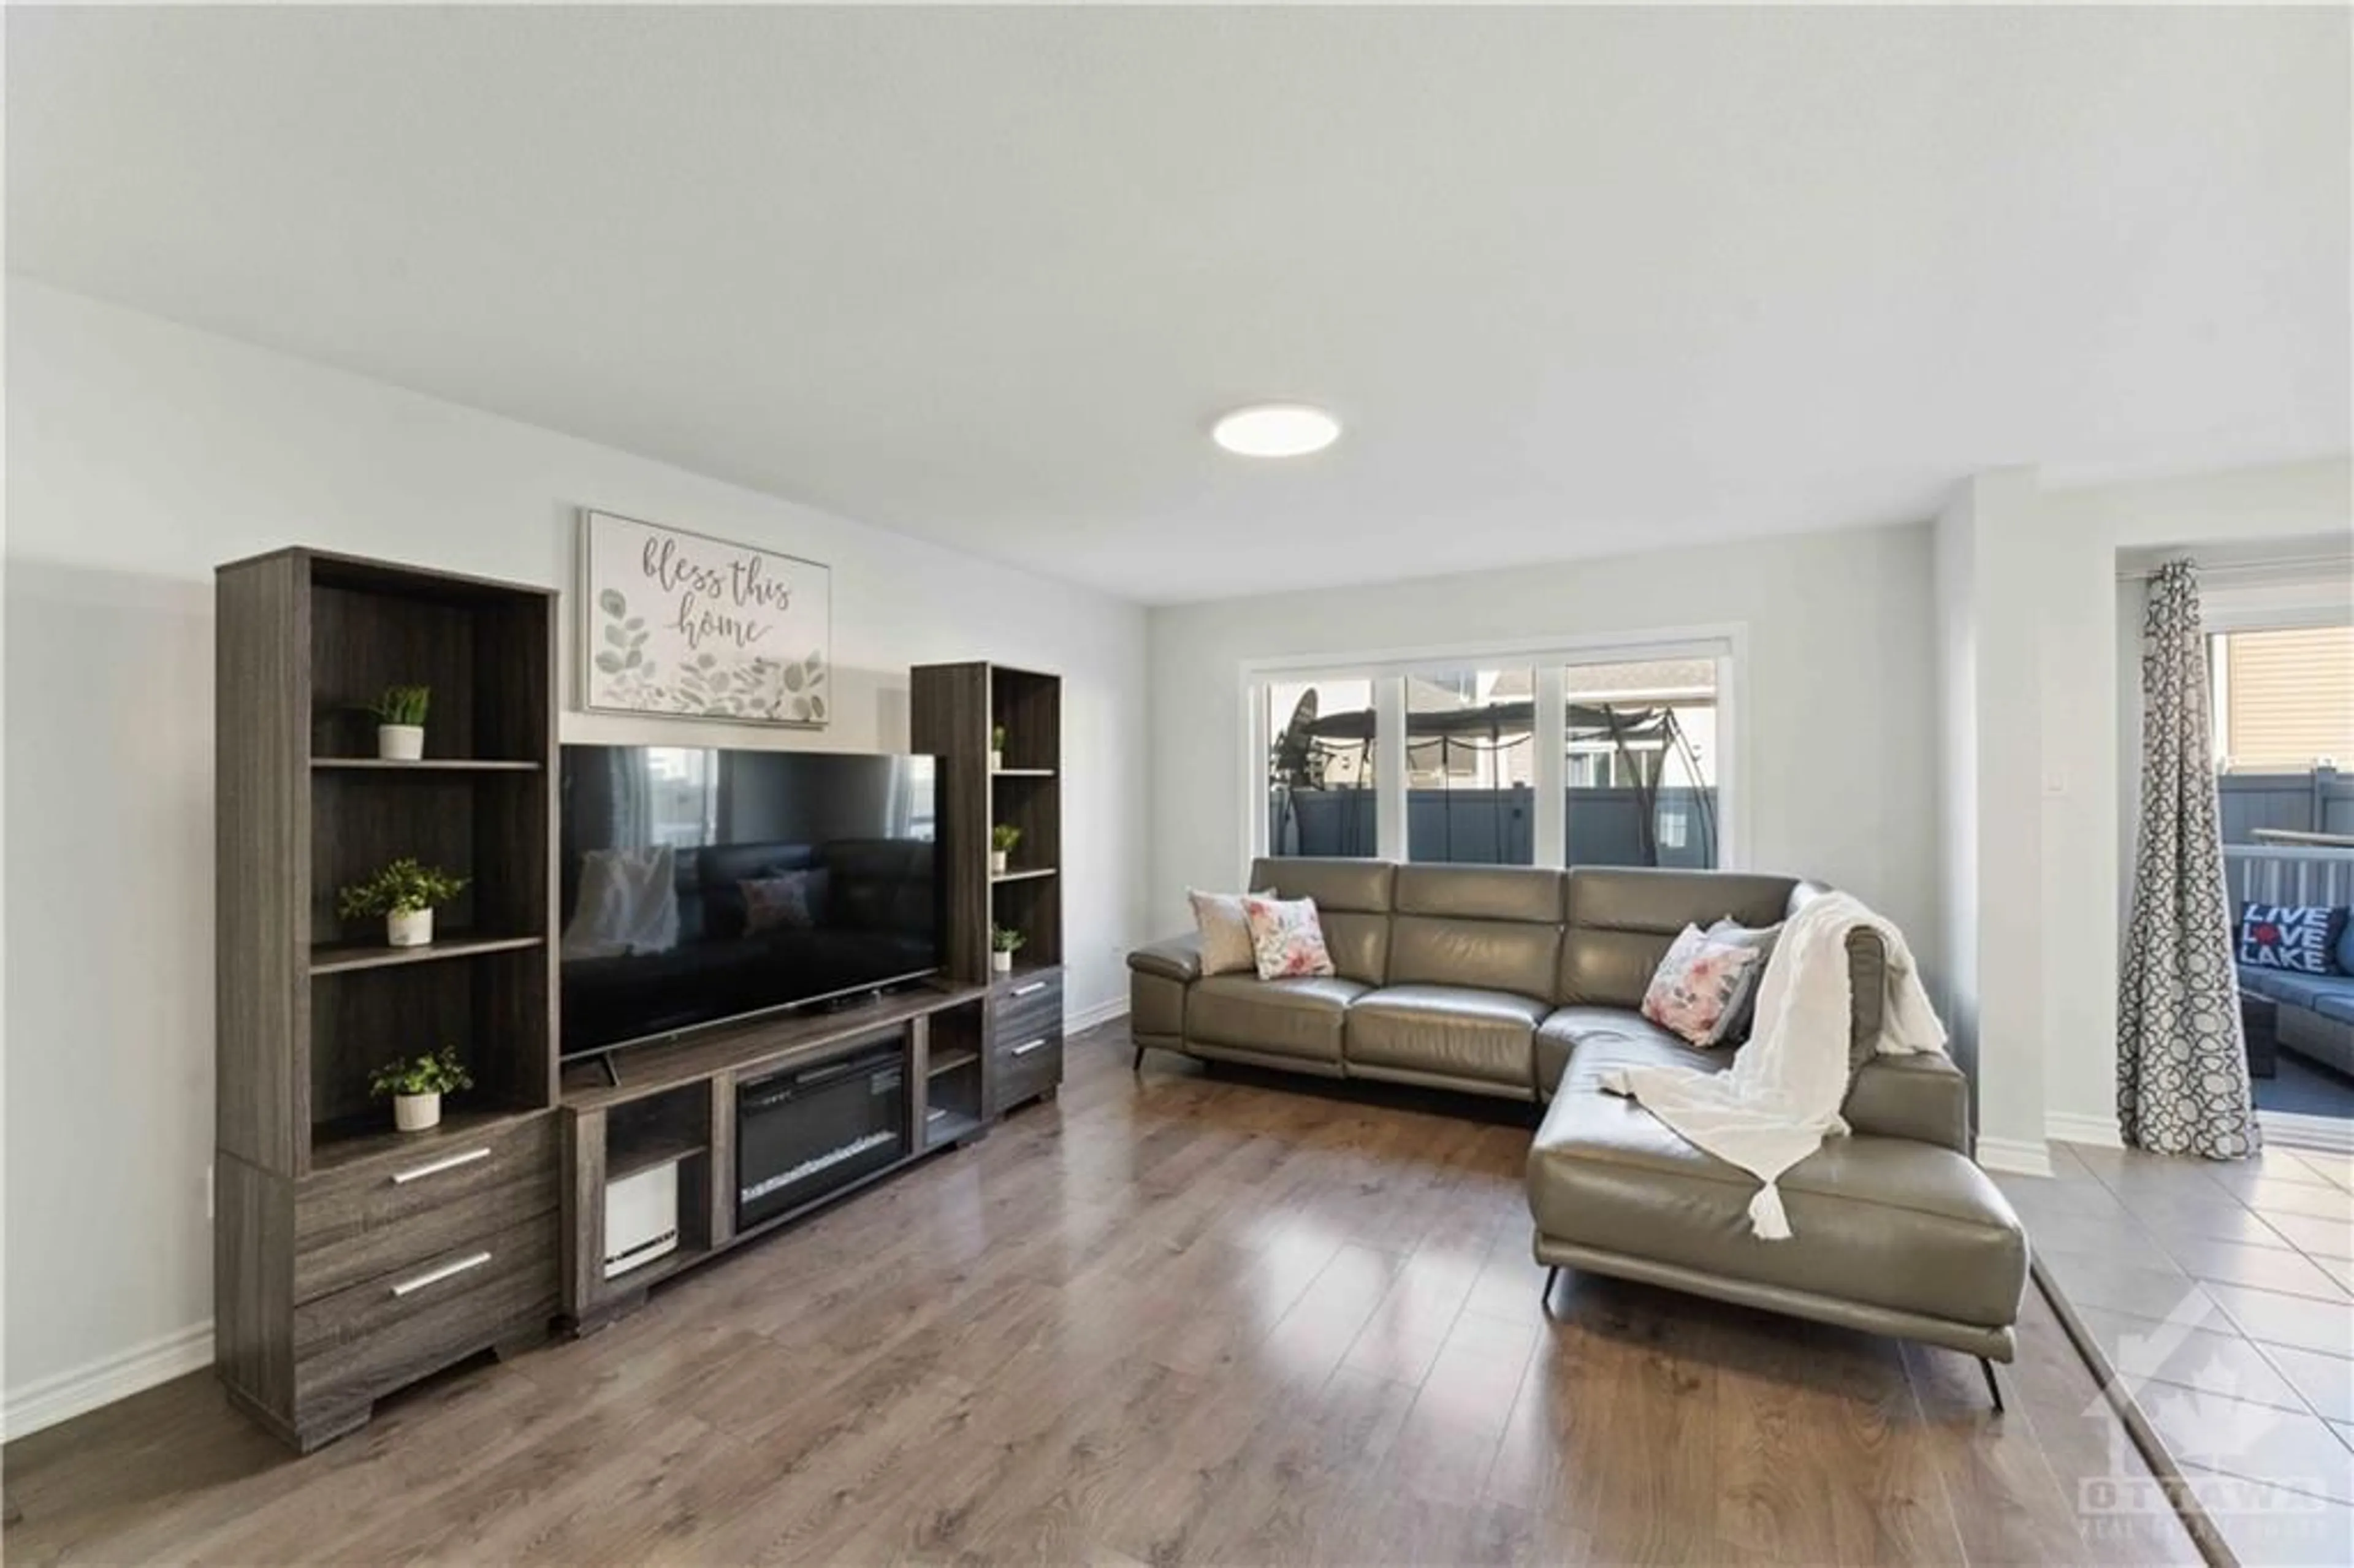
(405, 893)
(1001, 840)
(996, 747)
(400, 723)
(1004, 943)
(417, 1086)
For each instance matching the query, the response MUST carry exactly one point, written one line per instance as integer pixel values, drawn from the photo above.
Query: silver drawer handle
(435, 1168)
(1029, 1045)
(436, 1276)
(1032, 989)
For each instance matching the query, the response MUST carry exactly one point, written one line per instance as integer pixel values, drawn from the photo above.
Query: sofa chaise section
(1891, 1232)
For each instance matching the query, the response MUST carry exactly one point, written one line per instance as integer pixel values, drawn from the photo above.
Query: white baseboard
(2290, 1131)
(2019, 1156)
(2094, 1131)
(63, 1395)
(1073, 1022)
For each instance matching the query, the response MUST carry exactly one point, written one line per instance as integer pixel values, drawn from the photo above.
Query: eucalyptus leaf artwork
(677, 623)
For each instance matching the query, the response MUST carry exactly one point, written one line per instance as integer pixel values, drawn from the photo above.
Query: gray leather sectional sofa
(1526, 984)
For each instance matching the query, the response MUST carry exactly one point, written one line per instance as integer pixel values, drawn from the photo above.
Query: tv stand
(679, 1104)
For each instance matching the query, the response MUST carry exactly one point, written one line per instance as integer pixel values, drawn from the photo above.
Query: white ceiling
(1578, 280)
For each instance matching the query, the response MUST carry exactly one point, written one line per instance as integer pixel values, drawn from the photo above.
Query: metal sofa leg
(1138, 1066)
(1553, 1277)
(1994, 1389)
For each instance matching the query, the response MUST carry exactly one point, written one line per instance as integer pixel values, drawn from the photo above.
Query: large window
(1640, 738)
(1319, 745)
(1615, 755)
(1470, 766)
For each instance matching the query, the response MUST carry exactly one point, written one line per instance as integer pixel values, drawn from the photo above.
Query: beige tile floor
(2223, 1295)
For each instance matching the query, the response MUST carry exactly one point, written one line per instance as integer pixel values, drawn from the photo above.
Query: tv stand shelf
(694, 1080)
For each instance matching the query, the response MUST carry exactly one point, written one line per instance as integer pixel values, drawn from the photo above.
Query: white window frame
(1726, 644)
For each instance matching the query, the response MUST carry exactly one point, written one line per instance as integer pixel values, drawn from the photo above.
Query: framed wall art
(681, 624)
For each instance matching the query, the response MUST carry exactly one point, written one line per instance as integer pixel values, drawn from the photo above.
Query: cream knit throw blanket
(1781, 1096)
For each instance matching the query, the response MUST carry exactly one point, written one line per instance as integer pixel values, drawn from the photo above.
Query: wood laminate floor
(1169, 1320)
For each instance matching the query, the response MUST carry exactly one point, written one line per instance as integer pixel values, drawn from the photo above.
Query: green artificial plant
(403, 887)
(436, 1073)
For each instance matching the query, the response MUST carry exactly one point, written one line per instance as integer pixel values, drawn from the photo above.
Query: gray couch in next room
(1526, 984)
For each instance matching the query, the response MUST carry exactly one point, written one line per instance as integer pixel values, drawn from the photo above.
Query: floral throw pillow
(2286, 936)
(1287, 939)
(1699, 988)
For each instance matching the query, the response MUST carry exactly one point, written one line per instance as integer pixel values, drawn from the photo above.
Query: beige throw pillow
(1225, 932)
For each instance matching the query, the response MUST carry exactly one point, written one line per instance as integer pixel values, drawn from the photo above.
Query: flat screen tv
(701, 884)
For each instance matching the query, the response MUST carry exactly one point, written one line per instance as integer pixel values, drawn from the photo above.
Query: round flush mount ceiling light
(1277, 430)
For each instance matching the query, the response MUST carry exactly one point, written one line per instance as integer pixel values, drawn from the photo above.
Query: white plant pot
(414, 1113)
(996, 760)
(400, 742)
(1002, 962)
(410, 928)
(997, 862)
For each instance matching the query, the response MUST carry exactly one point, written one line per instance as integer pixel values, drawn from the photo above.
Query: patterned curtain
(2182, 1062)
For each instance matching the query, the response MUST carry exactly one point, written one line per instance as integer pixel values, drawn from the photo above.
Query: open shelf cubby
(1033, 906)
(478, 646)
(673, 1127)
(363, 1018)
(956, 1083)
(312, 1002)
(488, 827)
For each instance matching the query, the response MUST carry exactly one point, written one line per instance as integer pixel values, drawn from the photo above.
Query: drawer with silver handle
(439, 1272)
(385, 1216)
(386, 1331)
(1029, 1006)
(1026, 1068)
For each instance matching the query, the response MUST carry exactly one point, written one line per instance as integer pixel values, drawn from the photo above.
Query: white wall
(1954, 555)
(141, 454)
(1838, 754)
(1991, 837)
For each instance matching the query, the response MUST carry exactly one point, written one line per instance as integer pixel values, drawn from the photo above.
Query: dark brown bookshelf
(318, 1194)
(955, 709)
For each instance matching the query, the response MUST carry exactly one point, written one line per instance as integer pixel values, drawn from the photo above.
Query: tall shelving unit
(351, 1259)
(956, 707)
